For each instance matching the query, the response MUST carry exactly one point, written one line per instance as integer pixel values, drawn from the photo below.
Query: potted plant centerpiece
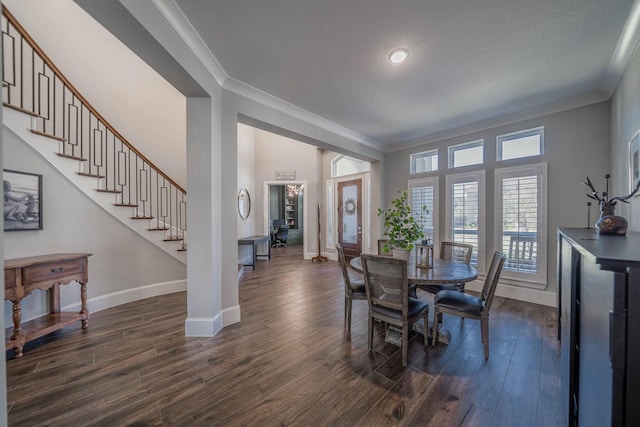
(401, 226)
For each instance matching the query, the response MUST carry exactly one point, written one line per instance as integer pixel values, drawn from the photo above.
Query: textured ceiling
(469, 61)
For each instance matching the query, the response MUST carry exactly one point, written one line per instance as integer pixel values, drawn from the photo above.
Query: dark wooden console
(22, 276)
(599, 306)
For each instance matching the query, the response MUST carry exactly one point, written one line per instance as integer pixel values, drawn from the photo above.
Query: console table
(254, 241)
(22, 276)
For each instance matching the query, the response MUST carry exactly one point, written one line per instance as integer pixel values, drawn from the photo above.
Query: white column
(204, 267)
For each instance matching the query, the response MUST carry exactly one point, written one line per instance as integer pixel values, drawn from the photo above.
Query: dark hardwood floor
(289, 362)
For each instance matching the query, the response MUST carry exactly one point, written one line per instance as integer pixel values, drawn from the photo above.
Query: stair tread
(157, 229)
(22, 110)
(142, 217)
(69, 156)
(104, 190)
(48, 135)
(125, 205)
(90, 175)
(173, 239)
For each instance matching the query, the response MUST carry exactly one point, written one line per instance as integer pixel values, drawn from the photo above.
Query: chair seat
(458, 301)
(357, 287)
(416, 307)
(434, 289)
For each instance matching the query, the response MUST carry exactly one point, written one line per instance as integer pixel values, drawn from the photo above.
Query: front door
(350, 217)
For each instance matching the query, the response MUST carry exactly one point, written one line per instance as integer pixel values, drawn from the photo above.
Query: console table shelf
(22, 276)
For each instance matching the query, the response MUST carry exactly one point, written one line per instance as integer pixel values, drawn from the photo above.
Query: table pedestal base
(394, 333)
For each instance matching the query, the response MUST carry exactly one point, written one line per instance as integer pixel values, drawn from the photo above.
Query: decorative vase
(608, 223)
(612, 224)
(401, 253)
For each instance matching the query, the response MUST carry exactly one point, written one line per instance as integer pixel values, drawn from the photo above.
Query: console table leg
(84, 312)
(17, 330)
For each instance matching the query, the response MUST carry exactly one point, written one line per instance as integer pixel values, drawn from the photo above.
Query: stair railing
(33, 85)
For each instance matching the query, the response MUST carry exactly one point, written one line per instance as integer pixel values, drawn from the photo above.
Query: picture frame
(22, 200)
(634, 162)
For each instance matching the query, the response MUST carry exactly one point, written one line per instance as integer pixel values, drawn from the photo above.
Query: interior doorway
(286, 207)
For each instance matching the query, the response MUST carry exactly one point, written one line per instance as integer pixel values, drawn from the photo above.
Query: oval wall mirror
(244, 203)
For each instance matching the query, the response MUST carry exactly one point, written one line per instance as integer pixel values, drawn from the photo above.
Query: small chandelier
(294, 189)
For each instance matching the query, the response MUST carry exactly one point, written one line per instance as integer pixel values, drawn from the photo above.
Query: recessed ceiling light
(398, 55)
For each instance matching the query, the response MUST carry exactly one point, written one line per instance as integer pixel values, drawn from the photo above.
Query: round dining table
(443, 272)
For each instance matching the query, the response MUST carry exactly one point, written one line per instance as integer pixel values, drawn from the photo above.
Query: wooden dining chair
(460, 252)
(387, 288)
(471, 306)
(353, 289)
(383, 247)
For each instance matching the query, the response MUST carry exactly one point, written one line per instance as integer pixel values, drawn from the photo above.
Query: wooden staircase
(57, 112)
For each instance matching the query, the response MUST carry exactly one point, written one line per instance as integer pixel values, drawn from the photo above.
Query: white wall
(576, 145)
(122, 261)
(625, 122)
(275, 152)
(140, 104)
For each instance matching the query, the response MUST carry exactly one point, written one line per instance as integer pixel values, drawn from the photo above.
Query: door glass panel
(350, 214)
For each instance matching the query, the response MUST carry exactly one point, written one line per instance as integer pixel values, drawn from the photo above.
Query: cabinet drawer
(53, 272)
(9, 279)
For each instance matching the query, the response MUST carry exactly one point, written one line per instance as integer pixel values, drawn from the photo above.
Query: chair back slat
(460, 252)
(491, 282)
(386, 281)
(383, 247)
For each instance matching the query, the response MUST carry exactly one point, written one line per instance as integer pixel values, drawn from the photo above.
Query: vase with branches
(608, 223)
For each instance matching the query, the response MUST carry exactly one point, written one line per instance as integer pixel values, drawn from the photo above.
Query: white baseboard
(202, 326)
(519, 293)
(231, 315)
(129, 295)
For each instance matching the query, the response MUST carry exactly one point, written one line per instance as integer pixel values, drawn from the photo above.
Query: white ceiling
(470, 61)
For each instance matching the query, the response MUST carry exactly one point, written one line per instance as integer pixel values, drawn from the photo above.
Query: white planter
(401, 253)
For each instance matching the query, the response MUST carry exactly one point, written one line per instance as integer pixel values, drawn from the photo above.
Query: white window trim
(424, 182)
(463, 146)
(366, 205)
(539, 280)
(329, 227)
(478, 176)
(517, 135)
(336, 160)
(427, 153)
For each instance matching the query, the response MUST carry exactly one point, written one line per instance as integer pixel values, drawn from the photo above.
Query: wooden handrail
(76, 93)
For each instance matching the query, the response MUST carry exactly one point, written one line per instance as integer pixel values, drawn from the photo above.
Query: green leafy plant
(401, 226)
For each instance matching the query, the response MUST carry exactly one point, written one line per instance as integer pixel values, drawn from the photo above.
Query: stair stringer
(20, 125)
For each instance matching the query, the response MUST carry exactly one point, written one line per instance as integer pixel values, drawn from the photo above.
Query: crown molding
(257, 95)
(564, 105)
(627, 45)
(176, 19)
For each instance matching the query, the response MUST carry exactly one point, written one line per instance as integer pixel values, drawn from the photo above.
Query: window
(343, 165)
(469, 153)
(521, 144)
(424, 192)
(465, 208)
(521, 194)
(426, 161)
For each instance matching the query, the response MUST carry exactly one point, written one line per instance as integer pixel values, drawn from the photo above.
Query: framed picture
(22, 201)
(634, 162)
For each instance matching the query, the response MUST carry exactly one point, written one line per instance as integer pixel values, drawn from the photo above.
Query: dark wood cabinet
(598, 289)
